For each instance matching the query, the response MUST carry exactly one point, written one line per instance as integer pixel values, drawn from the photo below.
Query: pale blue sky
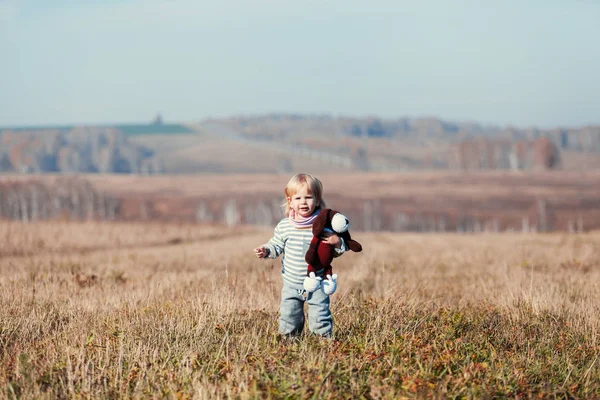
(507, 62)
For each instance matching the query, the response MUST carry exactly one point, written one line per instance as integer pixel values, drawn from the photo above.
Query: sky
(502, 62)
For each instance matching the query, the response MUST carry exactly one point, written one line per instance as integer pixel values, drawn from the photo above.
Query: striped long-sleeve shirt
(293, 243)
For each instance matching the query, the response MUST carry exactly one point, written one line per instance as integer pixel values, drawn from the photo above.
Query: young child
(292, 237)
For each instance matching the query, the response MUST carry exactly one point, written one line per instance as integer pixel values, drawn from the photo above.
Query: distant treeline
(66, 198)
(485, 154)
(393, 215)
(77, 199)
(83, 149)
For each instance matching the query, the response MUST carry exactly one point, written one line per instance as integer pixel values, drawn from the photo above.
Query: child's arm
(273, 248)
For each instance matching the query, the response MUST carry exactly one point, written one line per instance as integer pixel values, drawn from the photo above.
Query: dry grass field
(131, 310)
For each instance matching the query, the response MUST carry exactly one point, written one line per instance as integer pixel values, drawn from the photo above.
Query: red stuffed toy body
(322, 259)
(320, 254)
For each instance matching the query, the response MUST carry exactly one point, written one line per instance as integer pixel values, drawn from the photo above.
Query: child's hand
(261, 252)
(332, 239)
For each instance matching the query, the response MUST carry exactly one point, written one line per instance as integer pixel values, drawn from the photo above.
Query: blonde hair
(301, 181)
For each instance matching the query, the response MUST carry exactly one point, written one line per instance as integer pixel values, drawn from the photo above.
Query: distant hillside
(376, 144)
(283, 143)
(291, 126)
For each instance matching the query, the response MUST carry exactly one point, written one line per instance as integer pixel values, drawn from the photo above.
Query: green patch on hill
(154, 129)
(127, 129)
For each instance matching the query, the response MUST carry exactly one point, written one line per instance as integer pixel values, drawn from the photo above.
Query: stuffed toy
(320, 255)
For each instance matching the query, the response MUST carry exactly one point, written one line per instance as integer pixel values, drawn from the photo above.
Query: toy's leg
(320, 320)
(326, 253)
(312, 282)
(329, 285)
(291, 313)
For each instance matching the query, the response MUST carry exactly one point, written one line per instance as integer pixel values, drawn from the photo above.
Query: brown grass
(474, 185)
(478, 185)
(182, 311)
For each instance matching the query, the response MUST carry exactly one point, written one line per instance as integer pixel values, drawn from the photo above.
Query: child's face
(303, 203)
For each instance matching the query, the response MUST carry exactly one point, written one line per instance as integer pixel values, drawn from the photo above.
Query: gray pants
(291, 319)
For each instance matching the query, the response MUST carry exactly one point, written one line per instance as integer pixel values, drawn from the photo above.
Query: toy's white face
(340, 223)
(303, 203)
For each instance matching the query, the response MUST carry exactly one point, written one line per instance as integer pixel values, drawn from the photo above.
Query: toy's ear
(352, 244)
(320, 222)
